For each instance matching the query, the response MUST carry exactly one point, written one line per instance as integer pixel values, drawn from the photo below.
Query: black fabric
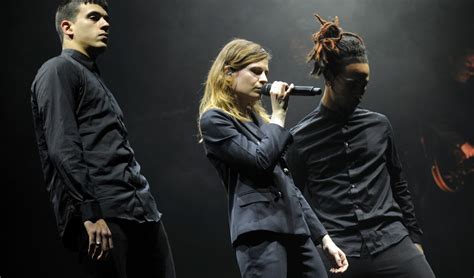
(140, 250)
(349, 171)
(271, 255)
(248, 157)
(89, 167)
(402, 260)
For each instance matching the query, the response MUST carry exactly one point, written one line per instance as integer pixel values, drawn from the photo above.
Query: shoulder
(58, 63)
(372, 115)
(56, 67)
(308, 120)
(57, 72)
(215, 116)
(217, 125)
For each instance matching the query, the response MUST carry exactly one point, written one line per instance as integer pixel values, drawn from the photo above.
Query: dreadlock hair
(69, 9)
(334, 49)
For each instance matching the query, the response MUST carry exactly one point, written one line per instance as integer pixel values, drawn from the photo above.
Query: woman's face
(248, 82)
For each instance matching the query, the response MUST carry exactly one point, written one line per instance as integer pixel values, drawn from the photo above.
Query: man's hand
(100, 239)
(468, 150)
(335, 255)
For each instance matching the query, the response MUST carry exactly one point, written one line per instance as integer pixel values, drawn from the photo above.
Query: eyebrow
(259, 67)
(96, 13)
(356, 75)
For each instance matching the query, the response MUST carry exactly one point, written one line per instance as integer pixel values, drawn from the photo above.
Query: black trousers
(140, 250)
(270, 255)
(400, 260)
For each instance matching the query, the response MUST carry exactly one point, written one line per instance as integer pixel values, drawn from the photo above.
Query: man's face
(349, 86)
(91, 27)
(248, 81)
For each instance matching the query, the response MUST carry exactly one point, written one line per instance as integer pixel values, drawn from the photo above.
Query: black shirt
(349, 171)
(88, 164)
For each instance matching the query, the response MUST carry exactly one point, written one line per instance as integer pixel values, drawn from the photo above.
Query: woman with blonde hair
(273, 229)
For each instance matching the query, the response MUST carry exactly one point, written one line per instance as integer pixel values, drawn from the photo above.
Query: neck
(243, 107)
(326, 99)
(88, 52)
(329, 103)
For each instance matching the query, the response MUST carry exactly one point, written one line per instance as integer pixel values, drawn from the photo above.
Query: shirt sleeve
(400, 189)
(225, 142)
(55, 90)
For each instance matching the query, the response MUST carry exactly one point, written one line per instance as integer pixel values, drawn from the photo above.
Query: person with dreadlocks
(345, 160)
(272, 228)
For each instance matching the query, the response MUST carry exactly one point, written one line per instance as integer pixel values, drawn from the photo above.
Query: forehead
(357, 69)
(85, 9)
(261, 64)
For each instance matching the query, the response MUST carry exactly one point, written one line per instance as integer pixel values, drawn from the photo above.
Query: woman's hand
(335, 255)
(279, 96)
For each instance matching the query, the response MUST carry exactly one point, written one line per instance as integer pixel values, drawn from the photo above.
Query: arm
(55, 92)
(225, 142)
(400, 190)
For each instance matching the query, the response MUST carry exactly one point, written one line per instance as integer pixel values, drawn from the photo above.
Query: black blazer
(249, 159)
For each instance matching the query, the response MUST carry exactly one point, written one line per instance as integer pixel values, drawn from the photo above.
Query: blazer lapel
(254, 127)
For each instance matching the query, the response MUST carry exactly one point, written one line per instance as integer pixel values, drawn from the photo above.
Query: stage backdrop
(160, 51)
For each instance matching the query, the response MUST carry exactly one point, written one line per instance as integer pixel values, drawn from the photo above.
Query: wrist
(326, 240)
(278, 118)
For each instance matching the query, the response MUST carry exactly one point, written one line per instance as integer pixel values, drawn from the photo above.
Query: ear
(67, 28)
(228, 70)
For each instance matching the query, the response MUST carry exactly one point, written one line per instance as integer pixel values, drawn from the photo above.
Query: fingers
(289, 89)
(100, 239)
(279, 89)
(105, 242)
(341, 263)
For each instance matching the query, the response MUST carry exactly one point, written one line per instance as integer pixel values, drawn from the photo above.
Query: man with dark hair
(345, 160)
(103, 205)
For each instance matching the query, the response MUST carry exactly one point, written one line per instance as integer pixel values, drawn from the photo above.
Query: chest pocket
(253, 197)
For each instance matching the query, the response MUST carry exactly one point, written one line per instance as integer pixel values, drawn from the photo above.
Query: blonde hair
(218, 92)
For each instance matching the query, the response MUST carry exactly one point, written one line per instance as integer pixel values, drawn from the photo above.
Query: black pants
(400, 260)
(265, 254)
(140, 250)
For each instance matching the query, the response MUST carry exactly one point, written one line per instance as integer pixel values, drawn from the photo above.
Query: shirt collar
(81, 58)
(326, 112)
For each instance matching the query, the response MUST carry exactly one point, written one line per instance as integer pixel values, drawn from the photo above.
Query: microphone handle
(297, 90)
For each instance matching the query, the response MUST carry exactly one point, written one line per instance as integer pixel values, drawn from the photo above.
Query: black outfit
(89, 166)
(272, 226)
(349, 171)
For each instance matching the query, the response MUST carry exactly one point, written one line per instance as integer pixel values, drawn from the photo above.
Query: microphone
(297, 90)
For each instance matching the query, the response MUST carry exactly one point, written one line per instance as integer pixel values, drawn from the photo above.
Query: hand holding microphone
(279, 94)
(297, 90)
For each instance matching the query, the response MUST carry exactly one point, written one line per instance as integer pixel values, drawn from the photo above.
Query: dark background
(158, 58)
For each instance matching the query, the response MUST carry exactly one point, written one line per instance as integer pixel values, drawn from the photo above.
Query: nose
(263, 78)
(104, 24)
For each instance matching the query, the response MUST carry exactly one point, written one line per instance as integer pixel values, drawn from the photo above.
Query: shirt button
(278, 195)
(286, 171)
(353, 186)
(356, 206)
(346, 144)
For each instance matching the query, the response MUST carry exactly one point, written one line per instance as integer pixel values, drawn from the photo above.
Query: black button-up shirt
(350, 173)
(88, 164)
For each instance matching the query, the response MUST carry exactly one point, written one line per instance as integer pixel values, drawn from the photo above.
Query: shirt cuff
(90, 210)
